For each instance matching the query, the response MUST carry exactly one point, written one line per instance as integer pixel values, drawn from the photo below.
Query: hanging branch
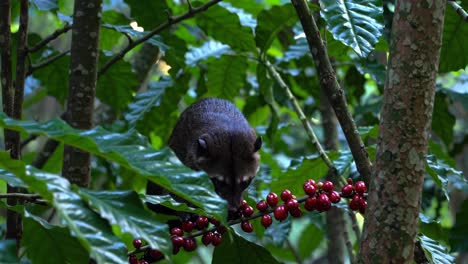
(332, 89)
(48, 61)
(170, 21)
(460, 11)
(49, 38)
(305, 122)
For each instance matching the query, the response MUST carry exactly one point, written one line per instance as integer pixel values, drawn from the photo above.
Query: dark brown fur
(212, 135)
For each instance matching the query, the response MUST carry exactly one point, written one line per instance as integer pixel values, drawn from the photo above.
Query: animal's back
(207, 116)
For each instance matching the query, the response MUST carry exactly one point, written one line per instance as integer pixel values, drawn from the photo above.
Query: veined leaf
(235, 249)
(93, 232)
(356, 23)
(226, 76)
(434, 251)
(133, 152)
(271, 22)
(46, 243)
(125, 210)
(453, 55)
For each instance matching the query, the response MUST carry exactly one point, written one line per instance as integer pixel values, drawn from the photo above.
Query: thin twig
(294, 251)
(302, 117)
(349, 245)
(49, 38)
(330, 85)
(49, 60)
(26, 141)
(23, 196)
(354, 225)
(171, 21)
(460, 11)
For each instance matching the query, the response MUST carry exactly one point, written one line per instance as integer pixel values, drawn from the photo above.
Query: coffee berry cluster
(318, 197)
(191, 229)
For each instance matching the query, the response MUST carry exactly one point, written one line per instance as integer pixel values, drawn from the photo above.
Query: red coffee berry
(247, 226)
(137, 243)
(355, 202)
(262, 206)
(202, 222)
(266, 220)
(347, 190)
(214, 221)
(280, 213)
(350, 181)
(177, 241)
(175, 231)
(286, 195)
(311, 203)
(360, 187)
(327, 186)
(247, 211)
(334, 197)
(190, 244)
(188, 226)
(309, 189)
(243, 204)
(297, 212)
(362, 205)
(311, 182)
(217, 239)
(272, 199)
(132, 259)
(207, 238)
(323, 202)
(292, 204)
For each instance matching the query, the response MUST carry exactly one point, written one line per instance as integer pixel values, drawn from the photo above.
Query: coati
(212, 135)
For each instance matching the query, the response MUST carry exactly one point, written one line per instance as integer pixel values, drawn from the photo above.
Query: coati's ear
(258, 144)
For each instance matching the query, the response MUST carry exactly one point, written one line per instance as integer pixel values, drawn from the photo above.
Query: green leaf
(442, 120)
(279, 232)
(156, 110)
(144, 102)
(169, 202)
(271, 22)
(11, 179)
(459, 231)
(209, 49)
(236, 249)
(433, 229)
(45, 5)
(115, 86)
(235, 35)
(54, 77)
(46, 243)
(155, 40)
(93, 232)
(125, 210)
(311, 167)
(226, 76)
(131, 151)
(453, 55)
(377, 71)
(148, 14)
(443, 174)
(8, 249)
(434, 251)
(357, 23)
(310, 239)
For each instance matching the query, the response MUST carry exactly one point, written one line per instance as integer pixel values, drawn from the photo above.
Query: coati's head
(231, 160)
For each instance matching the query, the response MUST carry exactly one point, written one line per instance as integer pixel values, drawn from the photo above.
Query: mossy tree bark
(391, 220)
(82, 84)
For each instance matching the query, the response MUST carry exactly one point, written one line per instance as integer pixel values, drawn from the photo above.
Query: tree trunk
(82, 84)
(391, 220)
